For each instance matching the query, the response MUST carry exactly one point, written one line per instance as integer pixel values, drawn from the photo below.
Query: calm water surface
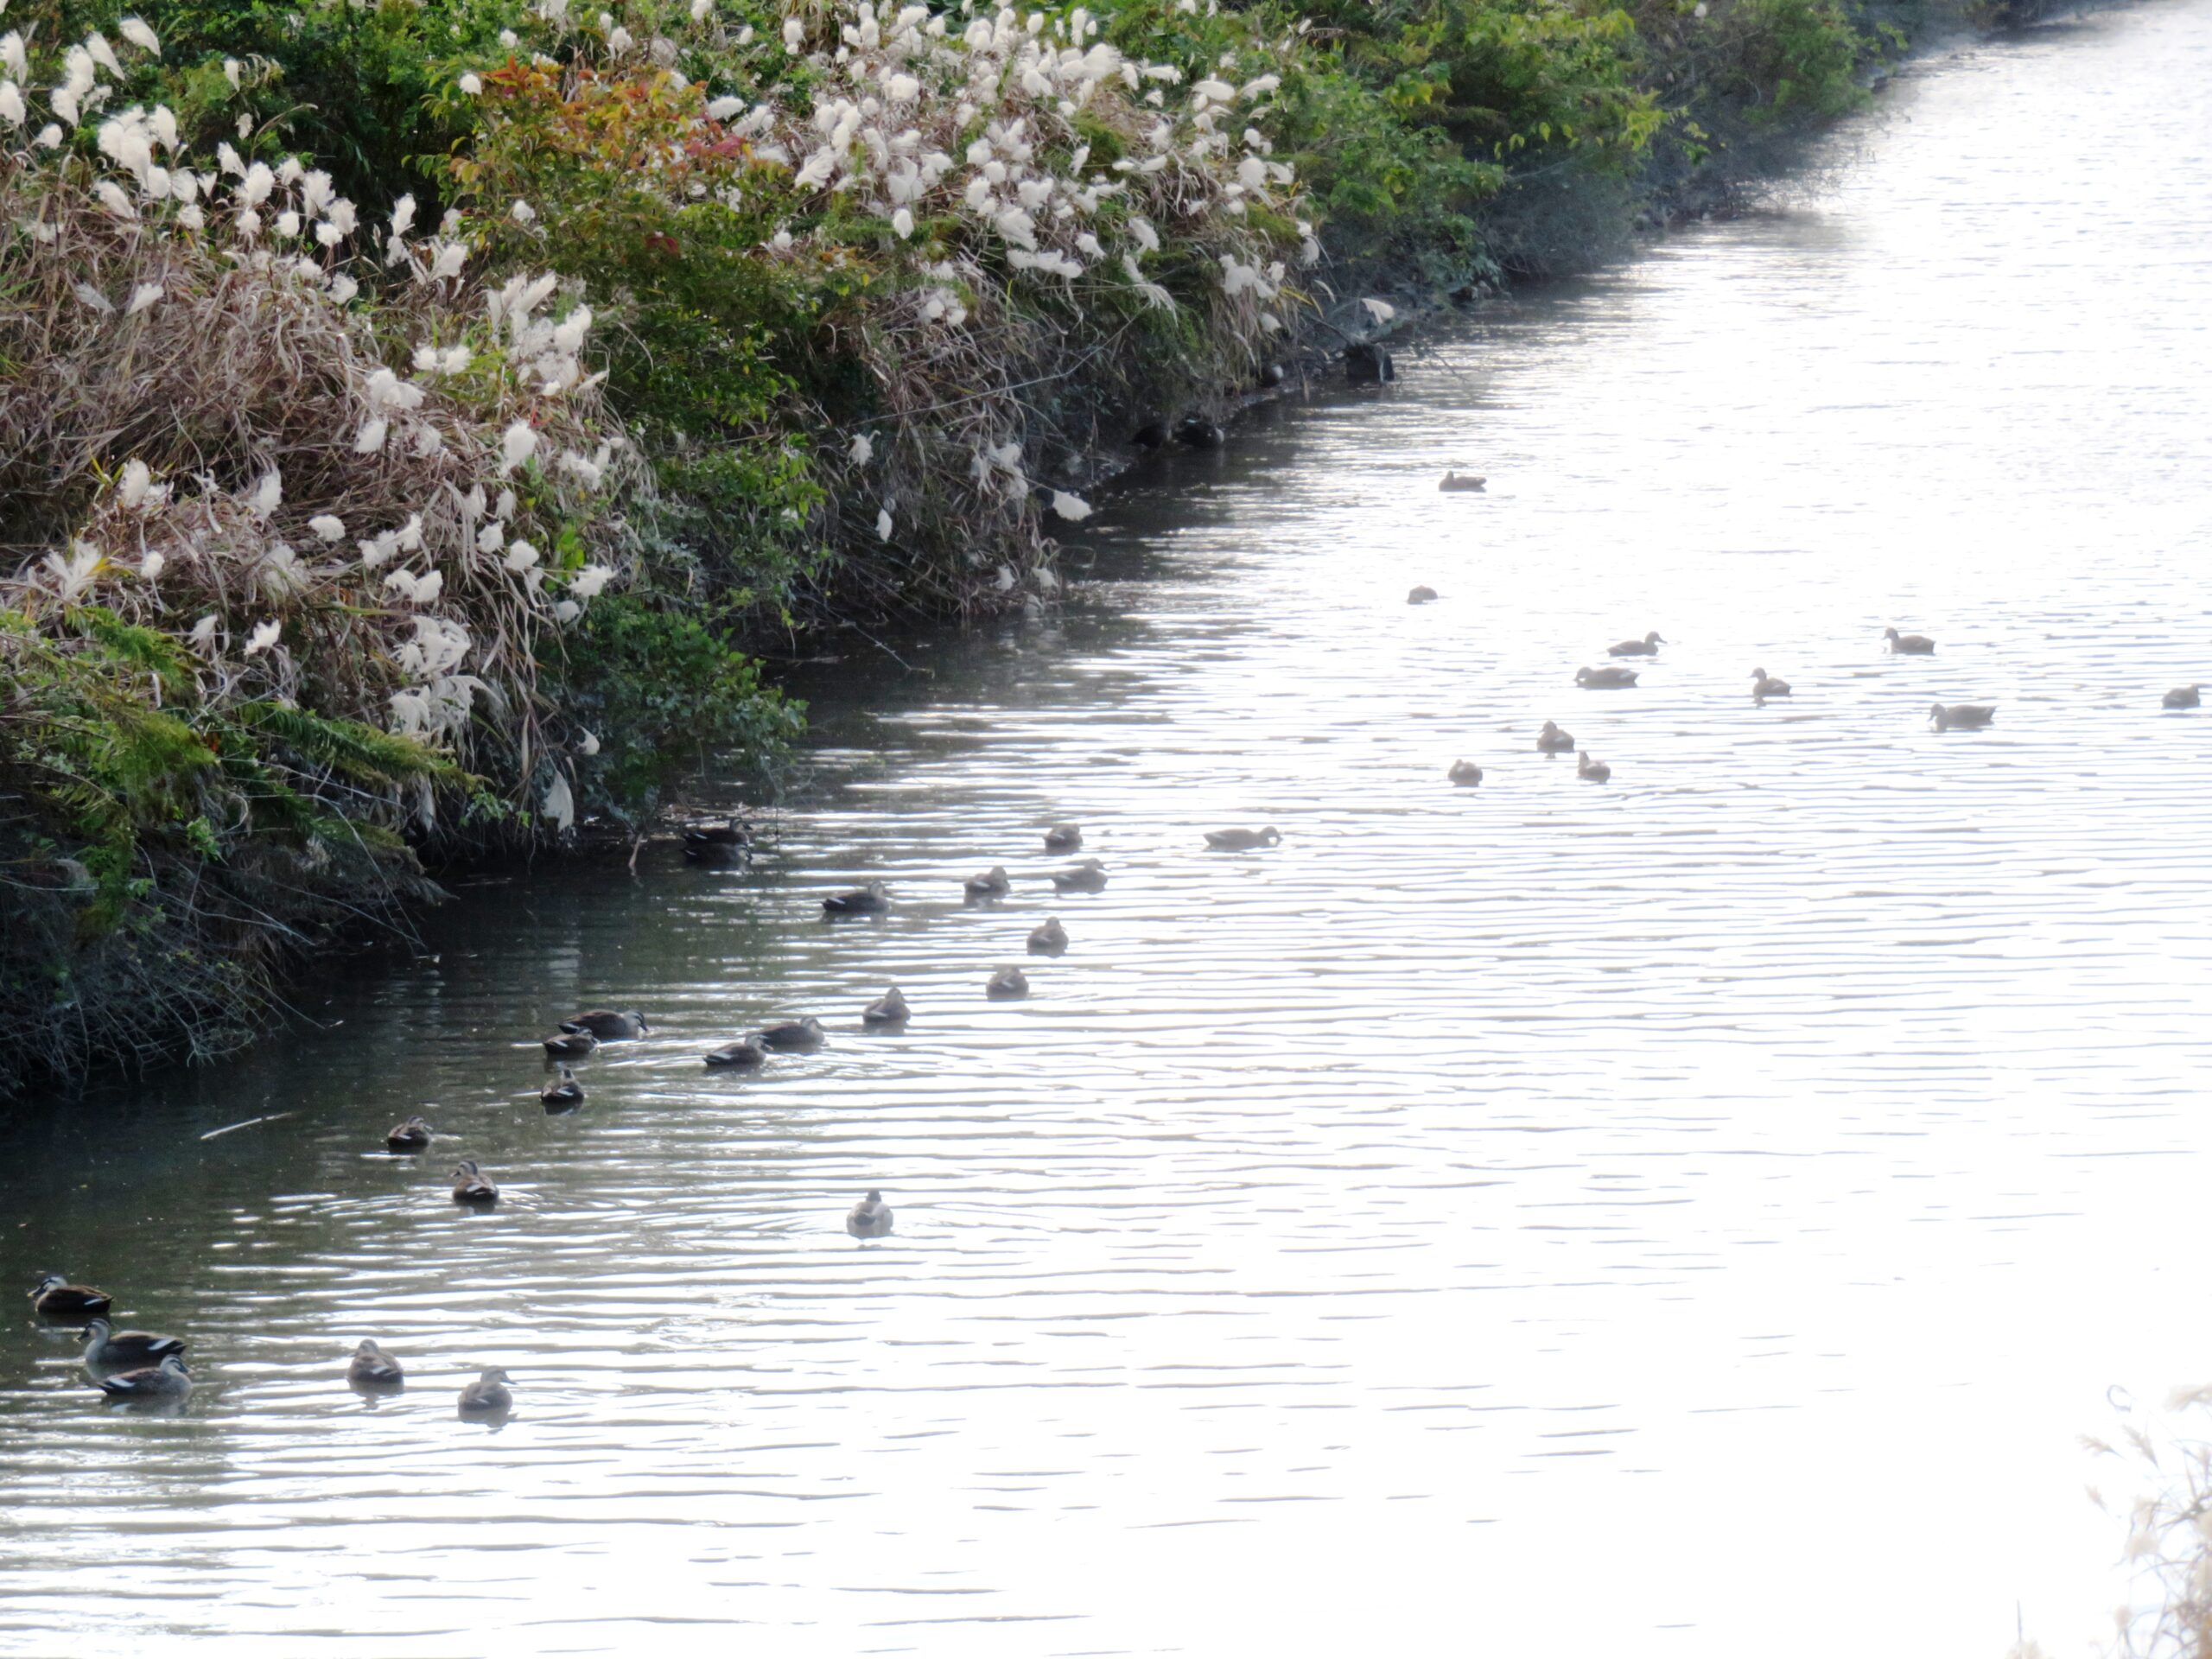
(1688, 1216)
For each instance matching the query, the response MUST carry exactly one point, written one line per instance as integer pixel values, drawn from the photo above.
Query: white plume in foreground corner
(1073, 508)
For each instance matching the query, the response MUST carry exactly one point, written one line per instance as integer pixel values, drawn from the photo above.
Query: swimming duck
(563, 1093)
(1453, 481)
(1647, 646)
(717, 846)
(1196, 432)
(870, 901)
(413, 1136)
(1048, 938)
(55, 1297)
(607, 1026)
(870, 1217)
(571, 1045)
(1594, 772)
(1604, 679)
(1241, 841)
(1421, 595)
(889, 1009)
(1271, 376)
(1088, 876)
(2182, 696)
(488, 1395)
(1909, 644)
(1551, 741)
(108, 1349)
(1962, 716)
(1064, 838)
(744, 1054)
(472, 1185)
(1466, 773)
(166, 1381)
(795, 1036)
(1764, 685)
(372, 1368)
(1007, 983)
(991, 884)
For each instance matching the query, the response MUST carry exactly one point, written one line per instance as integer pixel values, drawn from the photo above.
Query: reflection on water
(1542, 1217)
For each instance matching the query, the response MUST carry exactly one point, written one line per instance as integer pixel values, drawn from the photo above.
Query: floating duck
(607, 1026)
(1962, 716)
(1593, 772)
(1422, 594)
(1604, 679)
(717, 846)
(488, 1395)
(870, 901)
(1647, 646)
(1241, 841)
(1048, 938)
(889, 1009)
(1551, 741)
(1909, 644)
(55, 1297)
(795, 1036)
(2182, 696)
(166, 1381)
(413, 1136)
(1453, 481)
(744, 1054)
(372, 1368)
(1764, 685)
(870, 1217)
(1064, 838)
(991, 884)
(1196, 432)
(1088, 876)
(1006, 983)
(1466, 773)
(110, 1350)
(571, 1045)
(563, 1094)
(472, 1185)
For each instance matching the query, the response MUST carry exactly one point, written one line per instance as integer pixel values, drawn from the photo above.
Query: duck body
(607, 1025)
(1604, 679)
(1466, 773)
(472, 1185)
(2182, 696)
(1048, 938)
(1007, 984)
(166, 1381)
(717, 846)
(991, 884)
(572, 1046)
(870, 901)
(1962, 716)
(1647, 646)
(1421, 595)
(1551, 741)
(1089, 876)
(1243, 841)
(1909, 644)
(794, 1036)
(488, 1395)
(870, 1217)
(1592, 772)
(55, 1297)
(889, 1009)
(108, 1349)
(743, 1055)
(1064, 838)
(413, 1136)
(1764, 685)
(1453, 480)
(1196, 432)
(372, 1368)
(563, 1094)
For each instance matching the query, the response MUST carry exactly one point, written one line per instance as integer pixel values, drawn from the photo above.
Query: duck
(1647, 646)
(1764, 685)
(1909, 644)
(2182, 696)
(1241, 841)
(1962, 716)
(563, 1093)
(1196, 432)
(991, 884)
(717, 846)
(488, 1395)
(1271, 377)
(607, 1026)
(1006, 983)
(372, 1368)
(1551, 741)
(413, 1136)
(1456, 481)
(55, 1297)
(472, 1185)
(889, 1009)
(1088, 876)
(1466, 773)
(1064, 838)
(1421, 595)
(1595, 771)
(794, 1036)
(870, 1217)
(744, 1054)
(870, 901)
(1048, 938)
(166, 1381)
(1604, 679)
(571, 1045)
(109, 1349)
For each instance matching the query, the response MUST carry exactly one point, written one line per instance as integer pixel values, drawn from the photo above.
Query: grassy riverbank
(413, 414)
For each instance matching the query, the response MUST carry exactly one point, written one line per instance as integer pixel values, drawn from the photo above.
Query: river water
(1688, 1216)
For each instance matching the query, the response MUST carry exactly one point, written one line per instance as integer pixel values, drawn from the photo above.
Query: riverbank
(370, 517)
